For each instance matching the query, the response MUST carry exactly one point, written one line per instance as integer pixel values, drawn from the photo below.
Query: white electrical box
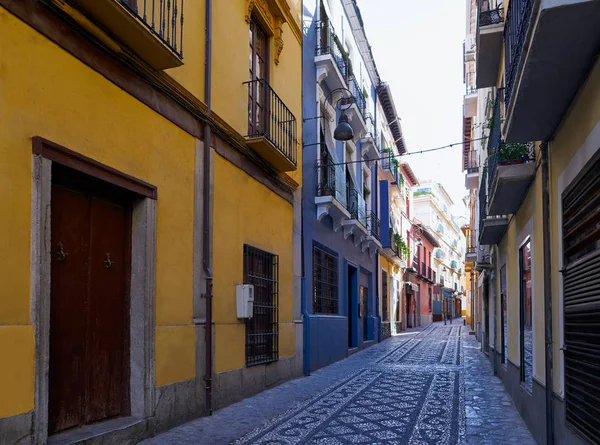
(244, 294)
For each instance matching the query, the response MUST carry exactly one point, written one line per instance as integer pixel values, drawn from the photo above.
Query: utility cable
(405, 154)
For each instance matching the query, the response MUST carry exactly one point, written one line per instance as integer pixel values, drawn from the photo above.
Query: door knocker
(61, 256)
(108, 262)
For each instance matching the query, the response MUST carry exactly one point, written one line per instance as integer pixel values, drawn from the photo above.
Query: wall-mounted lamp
(343, 131)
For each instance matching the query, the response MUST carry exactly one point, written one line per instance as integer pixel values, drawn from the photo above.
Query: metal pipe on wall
(206, 241)
(547, 293)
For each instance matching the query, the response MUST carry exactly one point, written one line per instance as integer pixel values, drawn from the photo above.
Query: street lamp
(343, 131)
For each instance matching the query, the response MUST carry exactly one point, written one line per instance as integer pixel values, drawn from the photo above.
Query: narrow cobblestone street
(430, 385)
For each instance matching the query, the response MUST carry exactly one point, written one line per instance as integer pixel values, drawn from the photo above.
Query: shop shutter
(581, 242)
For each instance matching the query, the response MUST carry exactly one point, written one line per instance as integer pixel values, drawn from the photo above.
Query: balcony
(153, 29)
(490, 25)
(370, 146)
(471, 164)
(357, 224)
(398, 191)
(471, 255)
(357, 113)
(271, 127)
(411, 286)
(331, 194)
(390, 249)
(330, 59)
(373, 239)
(510, 169)
(389, 166)
(470, 101)
(423, 271)
(484, 260)
(491, 228)
(539, 37)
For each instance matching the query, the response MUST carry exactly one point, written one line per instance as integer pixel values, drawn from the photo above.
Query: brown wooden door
(89, 322)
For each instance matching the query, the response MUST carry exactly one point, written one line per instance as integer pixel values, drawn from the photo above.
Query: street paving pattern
(409, 389)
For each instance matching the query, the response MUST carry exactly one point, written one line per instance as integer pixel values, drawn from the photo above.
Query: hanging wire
(405, 154)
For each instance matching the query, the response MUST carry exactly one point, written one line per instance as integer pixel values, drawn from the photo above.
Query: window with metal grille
(261, 269)
(325, 282)
(581, 290)
(384, 296)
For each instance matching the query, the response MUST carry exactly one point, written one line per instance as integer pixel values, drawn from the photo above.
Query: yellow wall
(191, 74)
(583, 116)
(246, 212)
(49, 93)
(230, 95)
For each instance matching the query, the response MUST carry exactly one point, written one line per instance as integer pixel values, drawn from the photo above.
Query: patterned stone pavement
(428, 386)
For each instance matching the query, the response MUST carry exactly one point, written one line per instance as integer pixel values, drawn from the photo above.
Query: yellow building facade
(104, 110)
(537, 186)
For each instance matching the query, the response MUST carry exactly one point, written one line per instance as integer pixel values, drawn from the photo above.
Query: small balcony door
(257, 93)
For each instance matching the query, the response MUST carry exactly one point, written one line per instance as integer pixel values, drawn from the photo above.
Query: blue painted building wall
(328, 336)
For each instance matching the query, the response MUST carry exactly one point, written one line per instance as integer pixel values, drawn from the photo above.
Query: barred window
(384, 296)
(261, 269)
(325, 282)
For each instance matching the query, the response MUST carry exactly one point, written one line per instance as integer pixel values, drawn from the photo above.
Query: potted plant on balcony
(513, 153)
(401, 246)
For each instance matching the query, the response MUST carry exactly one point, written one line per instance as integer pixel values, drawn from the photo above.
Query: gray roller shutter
(581, 248)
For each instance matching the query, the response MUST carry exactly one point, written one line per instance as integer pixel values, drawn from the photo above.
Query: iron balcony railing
(471, 243)
(500, 152)
(472, 161)
(423, 270)
(329, 43)
(392, 245)
(271, 118)
(356, 206)
(163, 18)
(490, 13)
(373, 225)
(429, 274)
(494, 139)
(482, 200)
(330, 183)
(434, 279)
(518, 17)
(389, 162)
(359, 96)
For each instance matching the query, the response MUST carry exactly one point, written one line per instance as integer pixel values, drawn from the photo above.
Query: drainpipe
(206, 241)
(547, 293)
(305, 314)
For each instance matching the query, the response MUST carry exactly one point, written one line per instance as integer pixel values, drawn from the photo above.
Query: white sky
(417, 46)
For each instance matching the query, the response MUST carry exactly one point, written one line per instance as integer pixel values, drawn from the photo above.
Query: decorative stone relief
(273, 18)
